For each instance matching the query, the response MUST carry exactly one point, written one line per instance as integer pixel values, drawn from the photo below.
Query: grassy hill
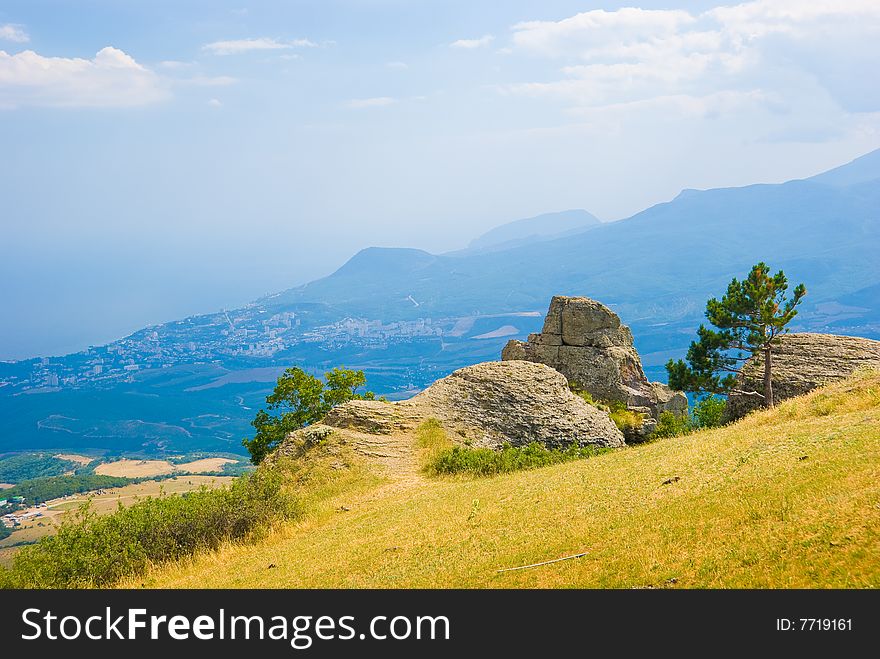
(785, 498)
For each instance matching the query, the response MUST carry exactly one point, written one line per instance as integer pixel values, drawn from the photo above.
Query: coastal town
(250, 336)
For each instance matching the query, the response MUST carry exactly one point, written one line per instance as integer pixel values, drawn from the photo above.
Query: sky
(160, 158)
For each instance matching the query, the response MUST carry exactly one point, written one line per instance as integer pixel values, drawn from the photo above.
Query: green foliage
(625, 419)
(17, 468)
(749, 317)
(4, 532)
(708, 412)
(94, 551)
(238, 468)
(672, 425)
(300, 399)
(37, 490)
(586, 395)
(487, 462)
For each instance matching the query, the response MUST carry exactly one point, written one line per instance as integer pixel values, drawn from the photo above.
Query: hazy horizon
(166, 160)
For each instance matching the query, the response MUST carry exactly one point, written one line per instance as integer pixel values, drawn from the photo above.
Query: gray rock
(586, 342)
(371, 416)
(493, 403)
(516, 402)
(801, 363)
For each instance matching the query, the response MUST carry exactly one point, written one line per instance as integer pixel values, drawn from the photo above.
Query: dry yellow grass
(785, 498)
(30, 531)
(203, 465)
(126, 468)
(112, 497)
(74, 457)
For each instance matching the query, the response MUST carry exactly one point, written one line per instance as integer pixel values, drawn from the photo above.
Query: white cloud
(582, 32)
(110, 79)
(376, 102)
(215, 103)
(238, 46)
(208, 81)
(397, 65)
(175, 64)
(470, 44)
(631, 54)
(14, 33)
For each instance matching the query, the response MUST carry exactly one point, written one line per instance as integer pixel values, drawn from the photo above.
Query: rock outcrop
(586, 342)
(492, 403)
(801, 363)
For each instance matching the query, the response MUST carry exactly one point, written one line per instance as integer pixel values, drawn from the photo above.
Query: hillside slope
(785, 498)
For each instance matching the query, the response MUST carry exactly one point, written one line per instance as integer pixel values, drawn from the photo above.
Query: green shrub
(486, 462)
(587, 396)
(672, 425)
(94, 551)
(708, 412)
(38, 490)
(626, 420)
(17, 468)
(298, 400)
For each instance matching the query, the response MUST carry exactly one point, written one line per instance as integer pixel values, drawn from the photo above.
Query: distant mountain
(861, 170)
(659, 265)
(541, 227)
(390, 260)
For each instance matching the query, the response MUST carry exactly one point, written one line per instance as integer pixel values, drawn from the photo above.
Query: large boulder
(492, 403)
(801, 363)
(586, 342)
(517, 402)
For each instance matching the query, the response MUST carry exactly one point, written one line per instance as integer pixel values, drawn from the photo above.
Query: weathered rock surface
(517, 402)
(372, 416)
(801, 363)
(492, 403)
(586, 342)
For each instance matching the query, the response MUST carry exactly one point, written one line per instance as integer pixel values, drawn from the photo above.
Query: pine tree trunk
(768, 380)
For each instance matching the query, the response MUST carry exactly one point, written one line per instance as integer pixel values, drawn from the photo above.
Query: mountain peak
(385, 259)
(540, 227)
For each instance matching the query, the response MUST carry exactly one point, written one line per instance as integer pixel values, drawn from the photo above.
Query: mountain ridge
(546, 226)
(792, 219)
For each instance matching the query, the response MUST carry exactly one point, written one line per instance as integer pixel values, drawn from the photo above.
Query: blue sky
(159, 159)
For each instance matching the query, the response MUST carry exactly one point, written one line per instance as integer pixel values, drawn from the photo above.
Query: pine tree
(749, 319)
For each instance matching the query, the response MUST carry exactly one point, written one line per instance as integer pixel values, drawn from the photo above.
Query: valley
(407, 317)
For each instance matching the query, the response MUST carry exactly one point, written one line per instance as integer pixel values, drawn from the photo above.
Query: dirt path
(396, 453)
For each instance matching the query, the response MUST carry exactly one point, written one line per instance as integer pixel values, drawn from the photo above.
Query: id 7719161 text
(814, 624)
